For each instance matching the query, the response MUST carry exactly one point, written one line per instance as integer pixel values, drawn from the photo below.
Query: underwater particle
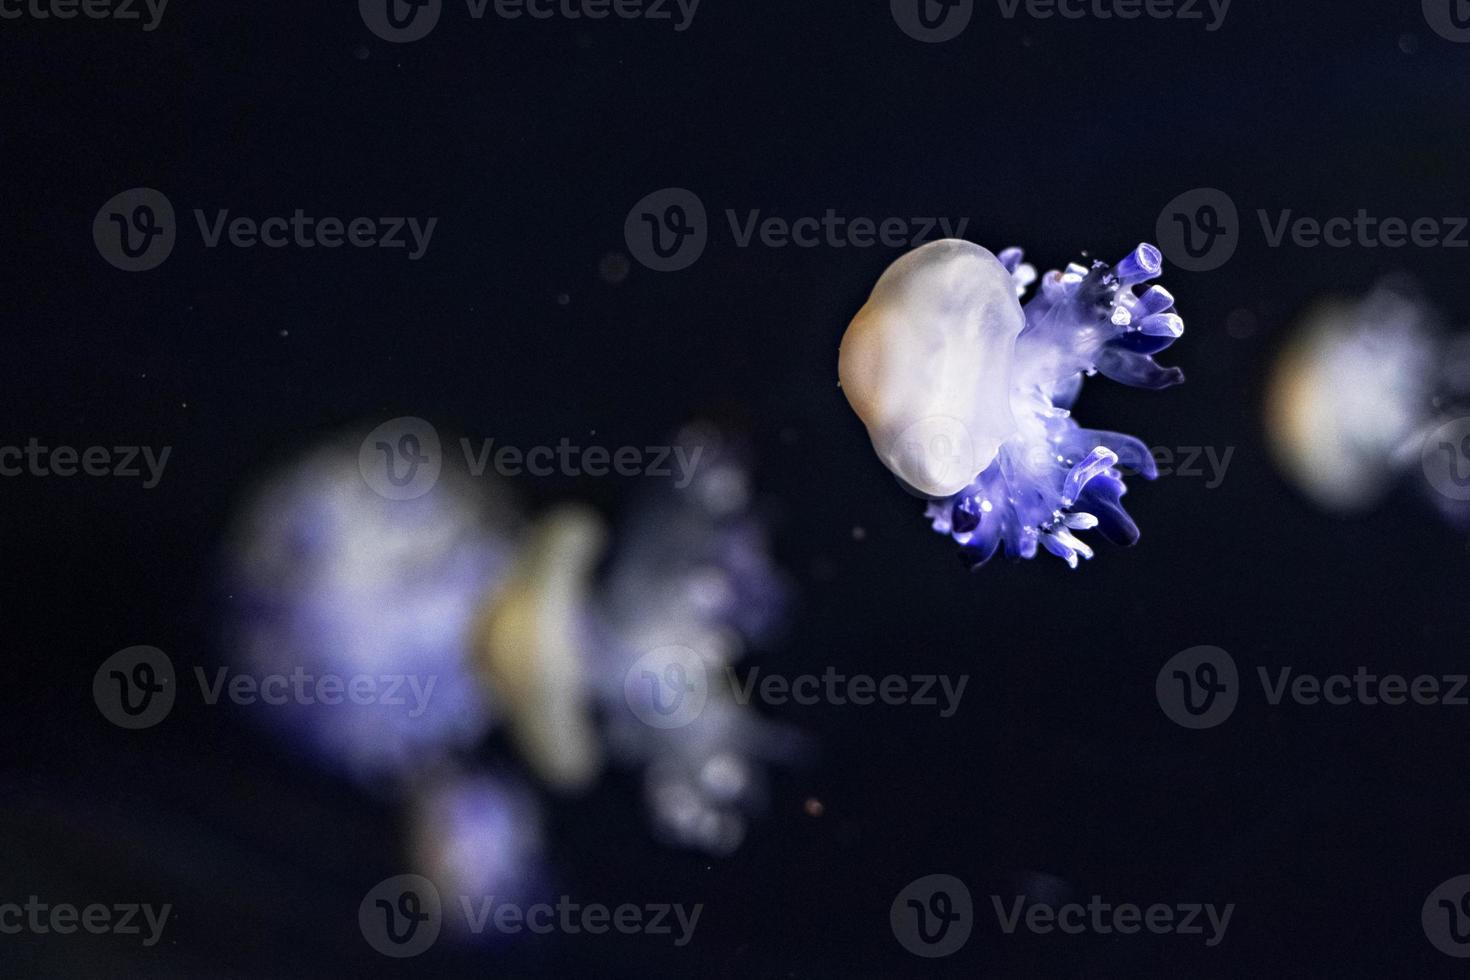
(814, 807)
(614, 267)
(966, 392)
(1241, 324)
(859, 534)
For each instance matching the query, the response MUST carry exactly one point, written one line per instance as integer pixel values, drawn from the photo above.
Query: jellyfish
(1366, 393)
(477, 834)
(966, 392)
(325, 576)
(696, 574)
(526, 625)
(531, 642)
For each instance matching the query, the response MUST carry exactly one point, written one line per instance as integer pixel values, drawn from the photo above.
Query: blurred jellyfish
(327, 577)
(694, 574)
(966, 393)
(514, 624)
(533, 641)
(1360, 396)
(477, 835)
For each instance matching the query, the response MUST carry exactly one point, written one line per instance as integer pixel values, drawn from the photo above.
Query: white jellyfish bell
(927, 364)
(966, 392)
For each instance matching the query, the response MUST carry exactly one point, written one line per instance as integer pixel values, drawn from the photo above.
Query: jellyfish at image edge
(1365, 393)
(966, 392)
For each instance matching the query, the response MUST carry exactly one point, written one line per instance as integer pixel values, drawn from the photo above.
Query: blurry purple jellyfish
(497, 621)
(327, 578)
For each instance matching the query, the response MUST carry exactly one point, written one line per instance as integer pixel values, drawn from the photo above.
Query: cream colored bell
(927, 364)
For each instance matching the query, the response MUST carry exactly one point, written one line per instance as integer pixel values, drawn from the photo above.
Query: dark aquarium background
(536, 312)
